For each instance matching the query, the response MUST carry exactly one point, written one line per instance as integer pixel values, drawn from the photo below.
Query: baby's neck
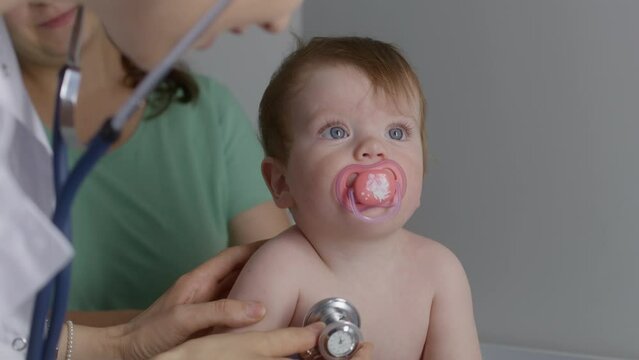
(353, 254)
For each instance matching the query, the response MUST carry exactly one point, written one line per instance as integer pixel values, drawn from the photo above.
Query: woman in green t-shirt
(181, 185)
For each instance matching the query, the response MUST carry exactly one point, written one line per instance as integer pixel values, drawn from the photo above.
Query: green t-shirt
(160, 204)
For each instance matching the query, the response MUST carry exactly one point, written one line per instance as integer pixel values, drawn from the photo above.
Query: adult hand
(275, 344)
(186, 308)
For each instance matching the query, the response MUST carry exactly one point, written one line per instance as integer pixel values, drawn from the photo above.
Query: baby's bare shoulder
(279, 258)
(436, 260)
(287, 248)
(426, 248)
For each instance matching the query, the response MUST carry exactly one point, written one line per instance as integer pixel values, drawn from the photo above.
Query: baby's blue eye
(334, 132)
(396, 133)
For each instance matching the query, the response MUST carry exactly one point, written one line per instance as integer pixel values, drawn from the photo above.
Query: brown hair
(177, 85)
(383, 63)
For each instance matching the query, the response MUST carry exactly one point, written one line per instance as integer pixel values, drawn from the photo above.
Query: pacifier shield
(361, 187)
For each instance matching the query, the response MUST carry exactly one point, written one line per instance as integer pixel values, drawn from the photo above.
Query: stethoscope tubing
(154, 77)
(43, 342)
(54, 297)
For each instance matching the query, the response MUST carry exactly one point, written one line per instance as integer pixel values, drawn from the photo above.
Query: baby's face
(338, 120)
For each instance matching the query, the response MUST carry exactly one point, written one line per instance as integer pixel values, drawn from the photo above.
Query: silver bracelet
(69, 340)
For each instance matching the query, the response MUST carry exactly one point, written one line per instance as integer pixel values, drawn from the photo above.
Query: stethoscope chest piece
(342, 335)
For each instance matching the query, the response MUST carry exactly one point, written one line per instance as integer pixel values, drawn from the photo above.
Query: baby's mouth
(362, 187)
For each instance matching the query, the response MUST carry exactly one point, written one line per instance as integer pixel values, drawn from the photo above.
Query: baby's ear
(274, 173)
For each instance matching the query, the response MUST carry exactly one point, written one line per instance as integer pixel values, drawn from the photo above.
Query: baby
(342, 123)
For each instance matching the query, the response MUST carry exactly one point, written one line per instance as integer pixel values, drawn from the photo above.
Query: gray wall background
(534, 169)
(534, 159)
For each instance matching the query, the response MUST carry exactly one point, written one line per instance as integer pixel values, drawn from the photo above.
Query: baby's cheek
(415, 184)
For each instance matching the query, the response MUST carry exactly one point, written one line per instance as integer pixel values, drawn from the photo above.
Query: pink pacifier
(362, 187)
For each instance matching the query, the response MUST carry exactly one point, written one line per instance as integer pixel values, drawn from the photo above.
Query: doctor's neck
(102, 75)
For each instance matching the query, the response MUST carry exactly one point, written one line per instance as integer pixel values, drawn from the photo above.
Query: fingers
(226, 312)
(226, 261)
(364, 352)
(289, 341)
(225, 285)
(201, 284)
(253, 345)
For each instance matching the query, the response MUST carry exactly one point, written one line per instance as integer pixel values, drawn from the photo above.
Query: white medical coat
(32, 250)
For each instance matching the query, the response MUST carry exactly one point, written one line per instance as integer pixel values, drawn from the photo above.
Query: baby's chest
(398, 323)
(394, 316)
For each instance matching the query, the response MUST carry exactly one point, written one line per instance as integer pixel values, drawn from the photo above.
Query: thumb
(225, 312)
(288, 341)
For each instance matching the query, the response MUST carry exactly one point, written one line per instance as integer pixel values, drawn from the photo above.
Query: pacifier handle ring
(391, 213)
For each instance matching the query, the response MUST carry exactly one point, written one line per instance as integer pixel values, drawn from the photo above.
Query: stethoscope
(342, 335)
(52, 299)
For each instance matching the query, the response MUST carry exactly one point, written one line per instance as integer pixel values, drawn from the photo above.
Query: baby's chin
(353, 224)
(372, 212)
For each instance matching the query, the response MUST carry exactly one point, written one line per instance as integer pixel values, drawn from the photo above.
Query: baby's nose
(370, 149)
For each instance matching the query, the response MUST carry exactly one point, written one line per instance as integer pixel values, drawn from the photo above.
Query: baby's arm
(270, 278)
(451, 331)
